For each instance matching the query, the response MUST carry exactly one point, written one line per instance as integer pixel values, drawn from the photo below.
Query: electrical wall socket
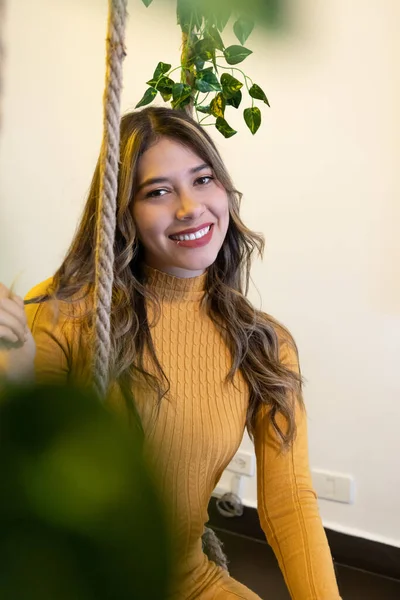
(243, 463)
(333, 486)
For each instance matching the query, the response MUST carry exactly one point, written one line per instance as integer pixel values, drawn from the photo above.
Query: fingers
(19, 301)
(13, 325)
(15, 307)
(4, 291)
(7, 335)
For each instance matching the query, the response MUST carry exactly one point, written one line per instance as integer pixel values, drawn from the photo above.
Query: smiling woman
(173, 188)
(189, 353)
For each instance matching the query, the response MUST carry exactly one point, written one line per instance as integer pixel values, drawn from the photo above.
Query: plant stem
(175, 69)
(187, 73)
(245, 77)
(195, 105)
(205, 99)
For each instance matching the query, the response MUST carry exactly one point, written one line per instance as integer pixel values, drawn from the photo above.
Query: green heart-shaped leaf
(230, 85)
(235, 100)
(256, 92)
(166, 96)
(161, 69)
(165, 83)
(217, 106)
(147, 2)
(148, 97)
(204, 109)
(165, 86)
(181, 95)
(252, 116)
(243, 28)
(160, 82)
(236, 54)
(224, 128)
(199, 63)
(213, 33)
(205, 48)
(206, 81)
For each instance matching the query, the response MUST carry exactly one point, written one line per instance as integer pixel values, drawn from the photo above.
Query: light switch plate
(333, 486)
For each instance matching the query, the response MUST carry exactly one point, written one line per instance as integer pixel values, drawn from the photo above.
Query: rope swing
(107, 200)
(106, 222)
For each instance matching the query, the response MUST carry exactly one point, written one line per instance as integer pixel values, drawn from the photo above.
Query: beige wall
(318, 180)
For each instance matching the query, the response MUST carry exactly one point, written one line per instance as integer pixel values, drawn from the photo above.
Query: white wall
(319, 181)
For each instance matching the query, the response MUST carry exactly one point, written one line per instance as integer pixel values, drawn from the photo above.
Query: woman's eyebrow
(156, 180)
(199, 168)
(152, 181)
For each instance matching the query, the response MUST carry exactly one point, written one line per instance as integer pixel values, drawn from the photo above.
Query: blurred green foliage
(80, 518)
(267, 13)
(205, 55)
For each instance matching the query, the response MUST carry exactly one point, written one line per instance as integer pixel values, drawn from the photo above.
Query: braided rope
(212, 547)
(106, 210)
(106, 222)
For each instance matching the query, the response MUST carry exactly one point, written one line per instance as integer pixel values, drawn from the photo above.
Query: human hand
(17, 346)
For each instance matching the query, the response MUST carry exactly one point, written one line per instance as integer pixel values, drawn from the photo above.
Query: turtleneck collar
(170, 287)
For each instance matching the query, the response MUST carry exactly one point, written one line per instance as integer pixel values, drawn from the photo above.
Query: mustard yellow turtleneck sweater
(196, 432)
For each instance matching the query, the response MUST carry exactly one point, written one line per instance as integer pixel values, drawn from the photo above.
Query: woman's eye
(204, 180)
(156, 193)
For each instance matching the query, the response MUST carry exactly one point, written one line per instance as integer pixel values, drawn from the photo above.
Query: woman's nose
(188, 208)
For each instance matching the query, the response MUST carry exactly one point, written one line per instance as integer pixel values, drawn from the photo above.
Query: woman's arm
(288, 509)
(17, 347)
(47, 327)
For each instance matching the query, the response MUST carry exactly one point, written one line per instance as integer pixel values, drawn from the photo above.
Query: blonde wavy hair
(253, 337)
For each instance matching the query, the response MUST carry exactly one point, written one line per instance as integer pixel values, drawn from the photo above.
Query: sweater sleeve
(62, 354)
(52, 351)
(287, 506)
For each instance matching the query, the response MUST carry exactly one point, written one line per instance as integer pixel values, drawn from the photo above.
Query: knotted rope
(107, 200)
(106, 221)
(212, 546)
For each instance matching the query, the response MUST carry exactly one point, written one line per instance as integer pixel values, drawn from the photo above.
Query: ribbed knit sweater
(196, 431)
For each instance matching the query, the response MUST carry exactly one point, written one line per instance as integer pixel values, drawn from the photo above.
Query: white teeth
(192, 236)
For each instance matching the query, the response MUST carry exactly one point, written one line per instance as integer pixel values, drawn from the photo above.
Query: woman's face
(178, 191)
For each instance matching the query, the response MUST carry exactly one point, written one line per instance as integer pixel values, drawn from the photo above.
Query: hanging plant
(209, 82)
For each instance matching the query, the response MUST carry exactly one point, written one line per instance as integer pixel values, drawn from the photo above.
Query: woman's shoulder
(41, 289)
(61, 334)
(42, 306)
(286, 345)
(35, 301)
